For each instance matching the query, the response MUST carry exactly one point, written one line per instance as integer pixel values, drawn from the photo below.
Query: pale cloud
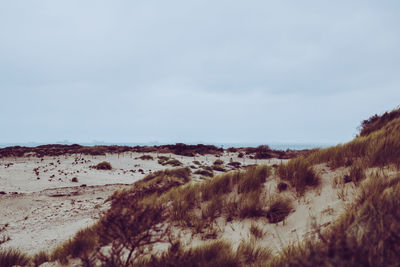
(234, 71)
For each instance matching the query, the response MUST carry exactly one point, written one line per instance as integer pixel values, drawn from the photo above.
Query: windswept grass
(300, 173)
(213, 197)
(279, 209)
(12, 257)
(82, 243)
(214, 254)
(377, 149)
(40, 258)
(367, 235)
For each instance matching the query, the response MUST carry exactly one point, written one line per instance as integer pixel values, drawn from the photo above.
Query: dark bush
(279, 210)
(282, 186)
(103, 166)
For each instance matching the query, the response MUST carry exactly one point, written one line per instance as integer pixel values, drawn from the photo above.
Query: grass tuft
(279, 209)
(299, 173)
(12, 257)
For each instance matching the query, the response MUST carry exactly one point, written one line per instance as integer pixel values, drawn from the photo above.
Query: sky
(196, 70)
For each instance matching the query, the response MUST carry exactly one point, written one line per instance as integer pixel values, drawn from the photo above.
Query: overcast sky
(196, 71)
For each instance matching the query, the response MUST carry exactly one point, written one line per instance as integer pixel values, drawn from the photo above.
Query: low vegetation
(367, 234)
(103, 166)
(169, 161)
(299, 173)
(13, 257)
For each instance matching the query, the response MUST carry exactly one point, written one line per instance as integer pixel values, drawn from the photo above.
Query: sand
(38, 214)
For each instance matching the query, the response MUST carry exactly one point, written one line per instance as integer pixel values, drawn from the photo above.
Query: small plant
(282, 186)
(74, 180)
(204, 173)
(167, 161)
(256, 231)
(235, 164)
(218, 168)
(279, 209)
(218, 162)
(103, 166)
(357, 173)
(146, 157)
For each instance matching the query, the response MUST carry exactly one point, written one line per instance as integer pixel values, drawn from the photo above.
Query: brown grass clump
(299, 173)
(169, 161)
(12, 257)
(279, 209)
(79, 246)
(40, 258)
(204, 173)
(282, 186)
(218, 162)
(146, 157)
(103, 166)
(256, 231)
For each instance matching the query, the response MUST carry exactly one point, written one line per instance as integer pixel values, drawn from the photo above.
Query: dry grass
(82, 243)
(367, 235)
(279, 209)
(300, 173)
(13, 257)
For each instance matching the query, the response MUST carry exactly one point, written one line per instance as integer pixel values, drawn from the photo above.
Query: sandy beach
(41, 206)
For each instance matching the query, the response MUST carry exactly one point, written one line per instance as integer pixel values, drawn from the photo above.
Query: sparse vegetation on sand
(300, 173)
(155, 208)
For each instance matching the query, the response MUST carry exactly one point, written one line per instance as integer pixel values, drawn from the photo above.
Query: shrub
(11, 257)
(103, 166)
(235, 164)
(218, 168)
(218, 162)
(376, 122)
(279, 209)
(74, 180)
(256, 231)
(172, 162)
(146, 157)
(282, 186)
(204, 173)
